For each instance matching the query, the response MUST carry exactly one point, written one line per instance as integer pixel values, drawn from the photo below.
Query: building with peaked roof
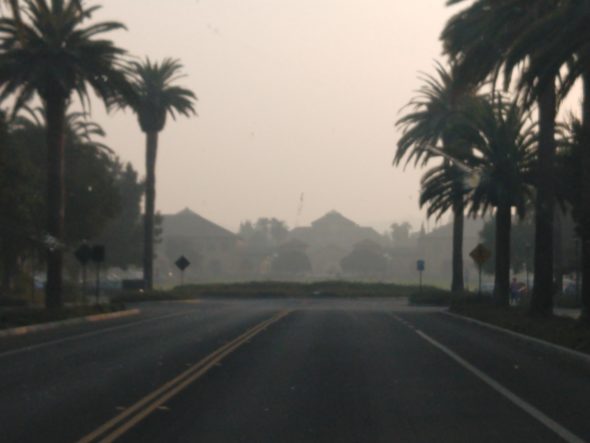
(331, 238)
(335, 229)
(210, 248)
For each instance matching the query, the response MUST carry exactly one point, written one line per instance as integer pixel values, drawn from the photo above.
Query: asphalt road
(288, 371)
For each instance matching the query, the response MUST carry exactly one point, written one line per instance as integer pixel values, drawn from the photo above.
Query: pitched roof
(187, 223)
(333, 218)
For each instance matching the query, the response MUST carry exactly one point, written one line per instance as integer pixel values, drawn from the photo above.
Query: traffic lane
(554, 383)
(148, 312)
(339, 376)
(59, 393)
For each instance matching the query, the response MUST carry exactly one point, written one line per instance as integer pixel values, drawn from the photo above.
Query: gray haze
(295, 97)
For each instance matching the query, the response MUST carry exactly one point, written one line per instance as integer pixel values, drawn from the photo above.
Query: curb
(561, 349)
(23, 330)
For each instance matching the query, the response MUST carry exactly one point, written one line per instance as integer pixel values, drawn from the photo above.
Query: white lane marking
(522, 404)
(87, 334)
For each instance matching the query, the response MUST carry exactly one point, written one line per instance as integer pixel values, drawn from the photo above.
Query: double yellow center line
(129, 418)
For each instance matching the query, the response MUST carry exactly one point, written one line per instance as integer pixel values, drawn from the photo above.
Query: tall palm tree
(481, 40)
(56, 57)
(430, 127)
(566, 43)
(504, 141)
(155, 96)
(442, 189)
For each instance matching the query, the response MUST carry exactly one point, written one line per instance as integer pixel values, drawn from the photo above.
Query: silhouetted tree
(400, 233)
(155, 96)
(364, 262)
(291, 262)
(431, 128)
(505, 141)
(484, 39)
(55, 57)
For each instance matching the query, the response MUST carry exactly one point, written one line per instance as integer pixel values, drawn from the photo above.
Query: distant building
(330, 239)
(211, 249)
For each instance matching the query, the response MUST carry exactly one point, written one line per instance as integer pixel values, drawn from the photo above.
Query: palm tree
(566, 42)
(56, 57)
(481, 40)
(442, 189)
(431, 127)
(504, 141)
(154, 97)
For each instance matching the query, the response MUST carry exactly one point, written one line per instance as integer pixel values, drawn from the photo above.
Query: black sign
(182, 263)
(97, 254)
(83, 254)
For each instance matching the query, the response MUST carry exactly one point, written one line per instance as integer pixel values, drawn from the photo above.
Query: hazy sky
(295, 97)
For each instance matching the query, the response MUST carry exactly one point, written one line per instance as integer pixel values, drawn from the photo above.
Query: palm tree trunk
(542, 299)
(56, 110)
(502, 276)
(558, 250)
(458, 222)
(585, 208)
(150, 201)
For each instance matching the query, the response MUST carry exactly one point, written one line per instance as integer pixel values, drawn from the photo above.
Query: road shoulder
(29, 329)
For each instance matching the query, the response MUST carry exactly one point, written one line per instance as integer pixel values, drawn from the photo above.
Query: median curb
(561, 349)
(23, 330)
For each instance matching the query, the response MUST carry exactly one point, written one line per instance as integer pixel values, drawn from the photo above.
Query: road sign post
(421, 266)
(83, 255)
(97, 255)
(182, 263)
(480, 255)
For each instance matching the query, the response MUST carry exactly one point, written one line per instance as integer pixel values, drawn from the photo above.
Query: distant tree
(51, 54)
(521, 243)
(246, 230)
(278, 231)
(364, 262)
(122, 235)
(432, 129)
(91, 184)
(20, 201)
(264, 234)
(504, 141)
(489, 37)
(292, 262)
(155, 96)
(573, 173)
(400, 233)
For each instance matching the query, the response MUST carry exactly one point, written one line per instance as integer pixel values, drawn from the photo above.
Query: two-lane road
(289, 371)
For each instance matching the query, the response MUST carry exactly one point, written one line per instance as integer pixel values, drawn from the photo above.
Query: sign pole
(480, 255)
(182, 263)
(420, 266)
(420, 281)
(97, 294)
(84, 288)
(479, 292)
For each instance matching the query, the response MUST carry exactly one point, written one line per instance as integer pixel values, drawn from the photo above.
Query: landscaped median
(271, 289)
(562, 331)
(22, 321)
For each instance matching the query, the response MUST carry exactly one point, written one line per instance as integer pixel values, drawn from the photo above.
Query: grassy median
(273, 290)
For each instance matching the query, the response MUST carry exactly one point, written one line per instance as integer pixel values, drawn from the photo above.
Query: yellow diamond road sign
(480, 254)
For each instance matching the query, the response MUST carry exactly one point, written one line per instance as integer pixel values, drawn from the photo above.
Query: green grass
(24, 316)
(273, 290)
(562, 331)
